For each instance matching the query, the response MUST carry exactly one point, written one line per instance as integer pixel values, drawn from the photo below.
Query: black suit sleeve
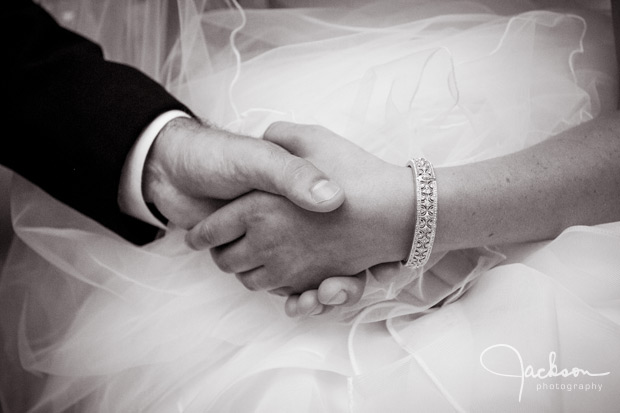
(73, 115)
(615, 14)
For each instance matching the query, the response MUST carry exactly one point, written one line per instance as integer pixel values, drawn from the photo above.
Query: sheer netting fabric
(93, 323)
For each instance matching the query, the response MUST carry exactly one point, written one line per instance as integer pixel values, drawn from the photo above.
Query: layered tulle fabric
(92, 323)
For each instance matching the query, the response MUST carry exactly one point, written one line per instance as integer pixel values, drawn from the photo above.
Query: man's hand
(193, 169)
(274, 245)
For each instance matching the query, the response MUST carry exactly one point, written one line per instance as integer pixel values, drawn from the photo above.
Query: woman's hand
(271, 244)
(334, 291)
(534, 194)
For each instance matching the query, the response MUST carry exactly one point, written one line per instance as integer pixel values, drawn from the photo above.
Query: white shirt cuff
(130, 197)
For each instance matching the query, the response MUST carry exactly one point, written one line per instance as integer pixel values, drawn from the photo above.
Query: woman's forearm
(570, 179)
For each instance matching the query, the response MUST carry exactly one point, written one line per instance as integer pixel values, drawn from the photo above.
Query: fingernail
(282, 291)
(189, 240)
(324, 190)
(317, 310)
(339, 298)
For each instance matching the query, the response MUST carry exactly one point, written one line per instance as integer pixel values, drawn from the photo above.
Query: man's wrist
(158, 165)
(131, 198)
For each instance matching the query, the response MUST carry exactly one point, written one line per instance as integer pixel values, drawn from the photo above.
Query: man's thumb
(302, 182)
(308, 187)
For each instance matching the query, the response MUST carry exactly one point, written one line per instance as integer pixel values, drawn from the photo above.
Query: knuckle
(257, 213)
(277, 250)
(274, 126)
(296, 168)
(282, 127)
(262, 210)
(267, 251)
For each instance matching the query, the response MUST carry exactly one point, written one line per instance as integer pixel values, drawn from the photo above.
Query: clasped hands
(300, 213)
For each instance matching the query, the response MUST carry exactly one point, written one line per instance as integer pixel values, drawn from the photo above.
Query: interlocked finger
(236, 257)
(257, 279)
(222, 227)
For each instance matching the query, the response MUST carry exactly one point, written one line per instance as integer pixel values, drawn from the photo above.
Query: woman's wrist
(401, 214)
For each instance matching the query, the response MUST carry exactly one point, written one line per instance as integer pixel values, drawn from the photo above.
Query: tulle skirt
(90, 322)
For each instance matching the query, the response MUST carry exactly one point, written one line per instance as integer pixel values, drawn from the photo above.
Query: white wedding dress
(91, 323)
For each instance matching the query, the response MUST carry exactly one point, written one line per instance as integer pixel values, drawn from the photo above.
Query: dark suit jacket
(72, 117)
(615, 14)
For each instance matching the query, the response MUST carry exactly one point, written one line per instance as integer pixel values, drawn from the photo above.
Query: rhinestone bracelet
(426, 212)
